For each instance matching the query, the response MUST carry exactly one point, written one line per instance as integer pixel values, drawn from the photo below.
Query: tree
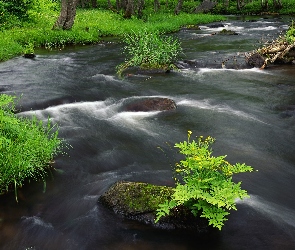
(87, 3)
(178, 7)
(67, 15)
(264, 5)
(277, 4)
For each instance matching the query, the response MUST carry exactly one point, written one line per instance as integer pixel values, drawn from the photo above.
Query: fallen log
(279, 55)
(281, 50)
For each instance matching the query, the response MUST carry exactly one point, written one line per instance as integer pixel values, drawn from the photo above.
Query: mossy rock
(139, 201)
(132, 198)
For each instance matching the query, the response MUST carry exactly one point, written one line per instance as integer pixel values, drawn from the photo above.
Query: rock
(227, 32)
(139, 201)
(216, 25)
(29, 55)
(151, 104)
(255, 60)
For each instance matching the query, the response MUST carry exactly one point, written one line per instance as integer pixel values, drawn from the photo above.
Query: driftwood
(279, 51)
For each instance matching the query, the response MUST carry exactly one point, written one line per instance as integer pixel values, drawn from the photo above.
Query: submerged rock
(139, 201)
(151, 104)
(29, 55)
(227, 32)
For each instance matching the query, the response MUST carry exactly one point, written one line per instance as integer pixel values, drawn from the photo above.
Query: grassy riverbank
(27, 147)
(90, 27)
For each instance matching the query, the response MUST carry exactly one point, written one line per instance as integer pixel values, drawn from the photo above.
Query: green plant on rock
(204, 182)
(149, 50)
(29, 48)
(290, 34)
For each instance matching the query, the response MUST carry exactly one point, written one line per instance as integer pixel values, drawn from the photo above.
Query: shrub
(204, 182)
(290, 34)
(149, 50)
(27, 147)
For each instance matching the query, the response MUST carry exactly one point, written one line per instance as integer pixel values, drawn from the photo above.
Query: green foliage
(204, 182)
(290, 34)
(27, 147)
(90, 26)
(149, 50)
(29, 48)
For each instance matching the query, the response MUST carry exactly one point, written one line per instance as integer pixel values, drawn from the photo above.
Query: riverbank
(91, 26)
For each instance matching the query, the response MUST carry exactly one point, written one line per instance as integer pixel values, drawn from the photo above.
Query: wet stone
(151, 104)
(139, 201)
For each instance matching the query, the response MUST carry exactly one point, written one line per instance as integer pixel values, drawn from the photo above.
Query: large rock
(139, 201)
(151, 104)
(255, 60)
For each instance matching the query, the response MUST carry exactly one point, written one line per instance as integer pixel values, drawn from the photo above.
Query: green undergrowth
(91, 26)
(204, 183)
(27, 147)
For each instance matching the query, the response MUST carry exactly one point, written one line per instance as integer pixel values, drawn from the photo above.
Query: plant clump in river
(204, 183)
(149, 50)
(27, 147)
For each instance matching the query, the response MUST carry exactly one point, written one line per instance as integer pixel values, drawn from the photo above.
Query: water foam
(279, 214)
(205, 104)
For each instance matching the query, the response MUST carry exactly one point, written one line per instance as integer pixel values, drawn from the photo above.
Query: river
(250, 112)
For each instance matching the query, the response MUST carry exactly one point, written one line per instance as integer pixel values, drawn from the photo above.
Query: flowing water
(250, 112)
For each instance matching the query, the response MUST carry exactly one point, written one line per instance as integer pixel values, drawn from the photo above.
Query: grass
(90, 27)
(27, 147)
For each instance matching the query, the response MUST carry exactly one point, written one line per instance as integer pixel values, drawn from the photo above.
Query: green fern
(204, 182)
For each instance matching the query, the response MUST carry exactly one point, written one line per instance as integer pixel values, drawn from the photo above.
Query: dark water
(250, 112)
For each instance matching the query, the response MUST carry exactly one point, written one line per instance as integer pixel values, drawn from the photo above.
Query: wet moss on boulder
(139, 201)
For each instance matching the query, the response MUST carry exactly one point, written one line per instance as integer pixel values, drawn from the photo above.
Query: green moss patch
(131, 198)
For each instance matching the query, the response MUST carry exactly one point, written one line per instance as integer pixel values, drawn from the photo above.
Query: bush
(149, 50)
(27, 147)
(204, 182)
(290, 34)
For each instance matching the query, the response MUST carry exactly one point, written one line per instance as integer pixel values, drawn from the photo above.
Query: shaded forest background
(14, 12)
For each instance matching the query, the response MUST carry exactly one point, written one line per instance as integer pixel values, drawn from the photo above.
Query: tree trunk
(129, 9)
(277, 4)
(94, 3)
(240, 4)
(156, 5)
(140, 8)
(67, 15)
(226, 3)
(178, 7)
(264, 5)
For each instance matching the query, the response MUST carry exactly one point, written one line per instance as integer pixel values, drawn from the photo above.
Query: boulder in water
(151, 104)
(255, 60)
(139, 201)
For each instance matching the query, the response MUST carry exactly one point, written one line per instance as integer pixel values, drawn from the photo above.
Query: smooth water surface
(250, 112)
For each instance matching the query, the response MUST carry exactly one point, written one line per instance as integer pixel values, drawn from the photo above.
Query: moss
(131, 198)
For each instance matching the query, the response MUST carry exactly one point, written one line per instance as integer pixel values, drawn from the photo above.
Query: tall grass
(27, 147)
(149, 50)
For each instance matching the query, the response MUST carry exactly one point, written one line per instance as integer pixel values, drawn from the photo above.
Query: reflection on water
(250, 112)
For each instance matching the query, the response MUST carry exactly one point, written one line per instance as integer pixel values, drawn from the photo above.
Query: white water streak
(205, 104)
(275, 212)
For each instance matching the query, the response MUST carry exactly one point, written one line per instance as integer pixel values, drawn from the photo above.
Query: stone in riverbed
(139, 201)
(255, 60)
(151, 104)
